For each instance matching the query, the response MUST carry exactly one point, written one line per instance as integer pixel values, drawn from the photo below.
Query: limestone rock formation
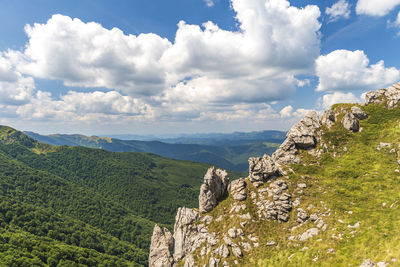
(237, 189)
(183, 231)
(390, 96)
(213, 188)
(358, 113)
(328, 118)
(350, 122)
(161, 248)
(301, 136)
(260, 169)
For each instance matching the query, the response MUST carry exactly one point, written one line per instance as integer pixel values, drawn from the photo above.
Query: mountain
(230, 151)
(328, 196)
(62, 206)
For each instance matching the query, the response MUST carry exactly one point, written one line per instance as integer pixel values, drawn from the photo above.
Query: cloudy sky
(185, 66)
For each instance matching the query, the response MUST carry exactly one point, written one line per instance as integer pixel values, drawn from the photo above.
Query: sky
(101, 67)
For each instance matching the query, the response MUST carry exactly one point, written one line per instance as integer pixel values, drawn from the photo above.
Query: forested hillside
(60, 205)
(230, 151)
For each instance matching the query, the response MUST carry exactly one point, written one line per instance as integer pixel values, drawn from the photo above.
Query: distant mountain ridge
(229, 151)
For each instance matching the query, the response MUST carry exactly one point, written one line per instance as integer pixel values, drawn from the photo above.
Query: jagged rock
(300, 136)
(237, 189)
(228, 241)
(260, 169)
(328, 118)
(223, 251)
(313, 217)
(232, 233)
(237, 252)
(161, 248)
(368, 263)
(350, 122)
(213, 262)
(246, 246)
(302, 215)
(207, 219)
(183, 231)
(213, 188)
(390, 96)
(308, 234)
(358, 113)
(189, 261)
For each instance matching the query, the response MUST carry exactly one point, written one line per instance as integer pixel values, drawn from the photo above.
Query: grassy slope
(359, 179)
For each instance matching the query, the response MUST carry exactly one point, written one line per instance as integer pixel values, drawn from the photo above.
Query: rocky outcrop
(237, 189)
(301, 136)
(213, 188)
(260, 169)
(184, 231)
(328, 118)
(350, 122)
(161, 248)
(358, 113)
(390, 96)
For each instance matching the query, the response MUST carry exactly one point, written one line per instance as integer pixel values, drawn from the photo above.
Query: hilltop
(329, 196)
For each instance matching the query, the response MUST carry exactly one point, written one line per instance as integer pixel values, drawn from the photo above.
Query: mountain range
(229, 151)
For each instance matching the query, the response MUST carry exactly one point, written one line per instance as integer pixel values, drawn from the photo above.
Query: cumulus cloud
(15, 89)
(286, 111)
(344, 70)
(205, 72)
(340, 9)
(337, 97)
(275, 42)
(376, 7)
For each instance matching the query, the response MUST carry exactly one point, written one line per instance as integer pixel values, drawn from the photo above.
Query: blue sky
(112, 67)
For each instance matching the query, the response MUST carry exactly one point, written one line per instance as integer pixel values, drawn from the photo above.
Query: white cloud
(15, 89)
(80, 106)
(337, 97)
(275, 42)
(376, 7)
(340, 9)
(344, 70)
(286, 111)
(210, 3)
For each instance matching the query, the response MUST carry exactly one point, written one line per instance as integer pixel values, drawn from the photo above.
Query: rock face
(390, 96)
(301, 136)
(183, 231)
(350, 122)
(260, 169)
(237, 189)
(161, 248)
(213, 188)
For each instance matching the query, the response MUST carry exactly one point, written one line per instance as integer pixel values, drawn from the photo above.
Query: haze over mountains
(229, 151)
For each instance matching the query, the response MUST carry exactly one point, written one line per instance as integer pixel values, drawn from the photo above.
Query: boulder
(260, 169)
(358, 113)
(328, 118)
(161, 248)
(300, 136)
(302, 215)
(390, 96)
(308, 234)
(237, 189)
(213, 188)
(350, 122)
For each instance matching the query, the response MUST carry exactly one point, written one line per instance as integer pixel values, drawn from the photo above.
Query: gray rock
(383, 145)
(213, 262)
(237, 252)
(237, 189)
(161, 248)
(182, 231)
(358, 113)
(308, 234)
(328, 118)
(350, 122)
(223, 251)
(189, 261)
(213, 188)
(301, 185)
(390, 96)
(232, 233)
(313, 217)
(368, 263)
(271, 243)
(302, 215)
(260, 169)
(300, 136)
